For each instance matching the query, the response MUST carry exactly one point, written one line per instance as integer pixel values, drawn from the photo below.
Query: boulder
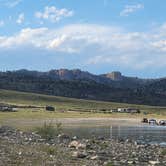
(73, 144)
(154, 162)
(81, 146)
(63, 136)
(94, 157)
(78, 154)
(77, 145)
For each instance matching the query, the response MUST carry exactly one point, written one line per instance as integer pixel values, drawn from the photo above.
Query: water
(142, 134)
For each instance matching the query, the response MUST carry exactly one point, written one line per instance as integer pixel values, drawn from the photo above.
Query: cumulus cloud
(96, 44)
(53, 14)
(57, 41)
(20, 19)
(131, 9)
(160, 45)
(26, 37)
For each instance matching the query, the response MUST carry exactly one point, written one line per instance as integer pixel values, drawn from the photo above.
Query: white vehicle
(153, 122)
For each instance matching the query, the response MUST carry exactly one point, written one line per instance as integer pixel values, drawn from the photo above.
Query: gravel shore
(29, 149)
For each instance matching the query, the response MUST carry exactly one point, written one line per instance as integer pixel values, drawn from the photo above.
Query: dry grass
(66, 108)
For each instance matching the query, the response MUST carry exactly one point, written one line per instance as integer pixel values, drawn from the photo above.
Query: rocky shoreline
(29, 148)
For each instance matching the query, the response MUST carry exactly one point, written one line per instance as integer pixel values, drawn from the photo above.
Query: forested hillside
(87, 86)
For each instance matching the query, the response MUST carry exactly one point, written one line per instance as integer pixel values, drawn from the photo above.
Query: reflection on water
(143, 134)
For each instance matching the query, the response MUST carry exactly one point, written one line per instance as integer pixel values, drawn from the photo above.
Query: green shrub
(50, 150)
(59, 128)
(109, 164)
(49, 131)
(163, 152)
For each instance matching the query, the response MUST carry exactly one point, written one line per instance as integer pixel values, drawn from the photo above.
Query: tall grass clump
(49, 131)
(163, 152)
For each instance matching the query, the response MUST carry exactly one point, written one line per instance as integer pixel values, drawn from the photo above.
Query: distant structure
(50, 108)
(126, 110)
(116, 76)
(4, 108)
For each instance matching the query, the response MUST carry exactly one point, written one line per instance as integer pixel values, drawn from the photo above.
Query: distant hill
(115, 79)
(80, 84)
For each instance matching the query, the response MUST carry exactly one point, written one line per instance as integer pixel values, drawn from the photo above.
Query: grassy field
(68, 108)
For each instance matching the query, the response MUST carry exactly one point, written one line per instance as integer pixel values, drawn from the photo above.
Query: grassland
(67, 108)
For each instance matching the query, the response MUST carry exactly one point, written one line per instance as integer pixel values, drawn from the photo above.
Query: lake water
(142, 133)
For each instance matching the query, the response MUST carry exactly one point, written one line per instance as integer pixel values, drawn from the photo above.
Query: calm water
(143, 134)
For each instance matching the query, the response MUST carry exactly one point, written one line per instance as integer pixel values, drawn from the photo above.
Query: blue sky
(97, 35)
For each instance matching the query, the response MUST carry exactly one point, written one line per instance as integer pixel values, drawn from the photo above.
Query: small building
(7, 109)
(133, 110)
(121, 110)
(114, 110)
(128, 110)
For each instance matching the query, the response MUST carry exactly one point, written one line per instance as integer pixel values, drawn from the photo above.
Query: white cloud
(25, 37)
(160, 45)
(53, 14)
(57, 42)
(20, 19)
(96, 44)
(2, 23)
(131, 9)
(10, 3)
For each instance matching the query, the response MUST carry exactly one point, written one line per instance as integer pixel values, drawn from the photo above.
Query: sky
(98, 36)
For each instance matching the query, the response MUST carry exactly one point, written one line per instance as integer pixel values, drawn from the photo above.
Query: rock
(74, 154)
(91, 151)
(135, 143)
(154, 162)
(74, 138)
(21, 132)
(26, 139)
(128, 141)
(94, 157)
(19, 153)
(5, 129)
(81, 146)
(36, 135)
(130, 162)
(41, 140)
(100, 138)
(77, 145)
(73, 144)
(105, 163)
(79, 154)
(63, 136)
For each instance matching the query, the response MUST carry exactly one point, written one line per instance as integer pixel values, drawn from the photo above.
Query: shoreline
(29, 124)
(31, 148)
